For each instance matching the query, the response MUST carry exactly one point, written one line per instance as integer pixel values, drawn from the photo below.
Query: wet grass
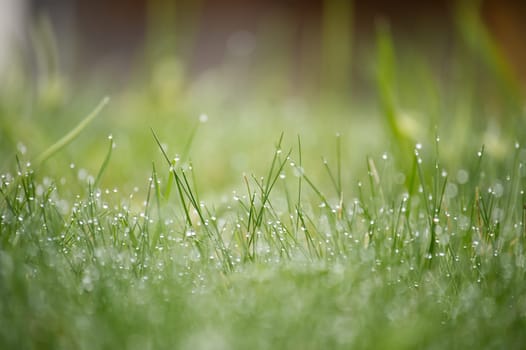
(281, 224)
(281, 263)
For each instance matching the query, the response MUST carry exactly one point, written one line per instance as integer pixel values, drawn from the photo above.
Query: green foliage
(387, 268)
(409, 232)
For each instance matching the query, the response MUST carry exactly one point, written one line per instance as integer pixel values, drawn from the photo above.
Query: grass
(281, 265)
(399, 232)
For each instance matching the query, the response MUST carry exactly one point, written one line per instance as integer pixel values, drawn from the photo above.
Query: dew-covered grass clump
(428, 258)
(257, 218)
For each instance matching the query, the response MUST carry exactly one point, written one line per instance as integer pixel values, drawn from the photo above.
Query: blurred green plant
(405, 230)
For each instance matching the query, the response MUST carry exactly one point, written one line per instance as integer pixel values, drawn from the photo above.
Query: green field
(234, 214)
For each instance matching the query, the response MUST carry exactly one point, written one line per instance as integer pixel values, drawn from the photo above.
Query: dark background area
(117, 34)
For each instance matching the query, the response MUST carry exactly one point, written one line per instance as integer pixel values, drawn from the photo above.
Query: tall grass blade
(70, 136)
(104, 164)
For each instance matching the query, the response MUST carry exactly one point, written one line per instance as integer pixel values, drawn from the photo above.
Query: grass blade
(104, 164)
(70, 136)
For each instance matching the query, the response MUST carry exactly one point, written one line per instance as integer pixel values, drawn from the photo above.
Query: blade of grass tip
(341, 208)
(515, 183)
(265, 193)
(410, 183)
(24, 184)
(169, 182)
(298, 204)
(70, 136)
(331, 175)
(339, 161)
(269, 181)
(104, 164)
(157, 234)
(145, 228)
(178, 183)
(251, 208)
(439, 197)
(476, 179)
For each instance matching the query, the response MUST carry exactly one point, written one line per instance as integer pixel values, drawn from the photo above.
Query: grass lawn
(186, 216)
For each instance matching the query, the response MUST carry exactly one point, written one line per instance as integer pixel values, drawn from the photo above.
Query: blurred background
(385, 73)
(205, 33)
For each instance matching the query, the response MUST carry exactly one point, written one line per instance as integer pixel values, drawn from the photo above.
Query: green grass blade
(104, 164)
(70, 136)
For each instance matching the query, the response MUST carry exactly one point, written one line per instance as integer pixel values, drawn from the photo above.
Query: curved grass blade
(70, 136)
(104, 164)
